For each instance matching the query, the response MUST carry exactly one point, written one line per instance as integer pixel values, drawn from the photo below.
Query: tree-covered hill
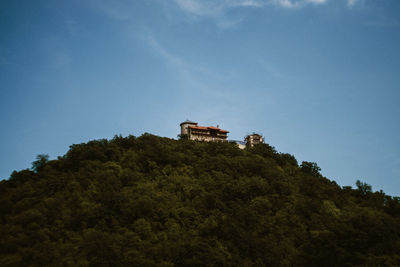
(152, 201)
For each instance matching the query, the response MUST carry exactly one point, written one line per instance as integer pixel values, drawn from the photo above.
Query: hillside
(146, 201)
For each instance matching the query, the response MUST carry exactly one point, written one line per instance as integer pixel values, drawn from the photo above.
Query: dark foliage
(151, 201)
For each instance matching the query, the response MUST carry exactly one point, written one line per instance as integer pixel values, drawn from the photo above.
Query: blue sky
(318, 78)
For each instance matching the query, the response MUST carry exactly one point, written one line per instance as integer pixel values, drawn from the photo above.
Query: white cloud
(317, 1)
(172, 59)
(296, 3)
(351, 3)
(216, 7)
(202, 79)
(200, 8)
(249, 3)
(186, 72)
(210, 85)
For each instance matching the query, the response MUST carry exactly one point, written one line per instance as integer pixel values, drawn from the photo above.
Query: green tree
(363, 188)
(40, 162)
(310, 167)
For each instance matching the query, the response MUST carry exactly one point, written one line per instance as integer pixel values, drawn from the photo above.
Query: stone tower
(185, 126)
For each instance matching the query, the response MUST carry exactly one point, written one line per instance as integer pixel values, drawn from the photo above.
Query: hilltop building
(193, 131)
(203, 133)
(249, 141)
(253, 139)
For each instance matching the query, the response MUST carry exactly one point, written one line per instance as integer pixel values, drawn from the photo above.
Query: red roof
(198, 127)
(208, 128)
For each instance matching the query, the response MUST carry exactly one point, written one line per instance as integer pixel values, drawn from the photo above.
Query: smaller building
(253, 139)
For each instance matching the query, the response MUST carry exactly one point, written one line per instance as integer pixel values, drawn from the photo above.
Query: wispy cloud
(186, 73)
(159, 49)
(351, 3)
(209, 84)
(295, 3)
(213, 87)
(194, 74)
(217, 7)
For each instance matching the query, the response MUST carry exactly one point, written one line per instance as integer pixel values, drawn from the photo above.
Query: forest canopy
(147, 201)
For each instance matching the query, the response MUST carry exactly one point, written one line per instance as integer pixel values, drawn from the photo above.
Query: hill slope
(156, 201)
